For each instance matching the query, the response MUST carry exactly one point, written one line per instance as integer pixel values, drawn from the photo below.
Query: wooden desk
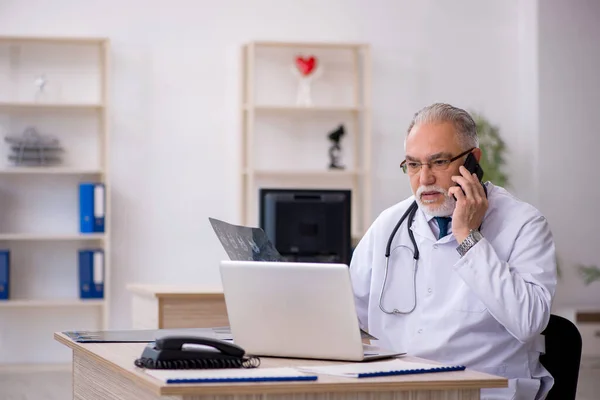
(107, 371)
(180, 306)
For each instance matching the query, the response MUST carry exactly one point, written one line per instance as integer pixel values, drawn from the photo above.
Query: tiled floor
(55, 385)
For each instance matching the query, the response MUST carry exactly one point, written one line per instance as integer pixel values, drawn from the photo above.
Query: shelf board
(53, 40)
(305, 174)
(49, 106)
(323, 45)
(40, 303)
(50, 237)
(49, 171)
(302, 109)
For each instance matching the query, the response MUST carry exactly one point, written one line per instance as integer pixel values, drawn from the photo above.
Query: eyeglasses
(440, 164)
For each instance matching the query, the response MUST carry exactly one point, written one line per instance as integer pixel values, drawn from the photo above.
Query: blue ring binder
(245, 379)
(410, 371)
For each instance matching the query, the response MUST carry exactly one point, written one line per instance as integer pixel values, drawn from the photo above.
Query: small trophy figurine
(335, 151)
(306, 70)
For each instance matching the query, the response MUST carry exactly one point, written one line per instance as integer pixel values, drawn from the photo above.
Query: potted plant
(589, 273)
(493, 149)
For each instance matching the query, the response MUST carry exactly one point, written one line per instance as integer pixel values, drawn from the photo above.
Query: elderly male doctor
(480, 292)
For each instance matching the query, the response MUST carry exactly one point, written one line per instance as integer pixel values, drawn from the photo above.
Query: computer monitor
(310, 225)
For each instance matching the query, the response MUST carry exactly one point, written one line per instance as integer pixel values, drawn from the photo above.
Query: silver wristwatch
(470, 241)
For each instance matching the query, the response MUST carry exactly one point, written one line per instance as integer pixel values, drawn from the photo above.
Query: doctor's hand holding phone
(470, 195)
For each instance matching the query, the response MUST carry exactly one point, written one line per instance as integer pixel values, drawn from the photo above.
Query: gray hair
(466, 128)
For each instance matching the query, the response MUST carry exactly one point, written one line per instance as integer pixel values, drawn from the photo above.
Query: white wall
(175, 121)
(569, 140)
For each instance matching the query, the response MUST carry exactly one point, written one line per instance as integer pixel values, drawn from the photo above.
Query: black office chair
(562, 358)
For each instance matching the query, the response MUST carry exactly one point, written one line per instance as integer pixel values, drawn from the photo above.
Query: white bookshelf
(39, 205)
(284, 144)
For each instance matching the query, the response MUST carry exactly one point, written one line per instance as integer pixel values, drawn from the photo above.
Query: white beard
(443, 210)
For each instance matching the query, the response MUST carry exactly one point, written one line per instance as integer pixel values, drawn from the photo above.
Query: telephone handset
(171, 352)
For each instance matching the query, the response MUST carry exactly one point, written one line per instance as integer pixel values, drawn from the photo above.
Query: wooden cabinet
(174, 306)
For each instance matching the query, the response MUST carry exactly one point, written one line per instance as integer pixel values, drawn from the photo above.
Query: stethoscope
(410, 213)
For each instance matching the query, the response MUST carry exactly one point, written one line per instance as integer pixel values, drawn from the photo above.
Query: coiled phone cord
(199, 363)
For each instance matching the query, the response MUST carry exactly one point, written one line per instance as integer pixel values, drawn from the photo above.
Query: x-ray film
(243, 243)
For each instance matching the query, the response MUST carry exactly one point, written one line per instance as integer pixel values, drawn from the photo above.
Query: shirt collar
(426, 216)
(421, 225)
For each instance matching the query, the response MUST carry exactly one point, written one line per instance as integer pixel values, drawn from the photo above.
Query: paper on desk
(355, 370)
(229, 375)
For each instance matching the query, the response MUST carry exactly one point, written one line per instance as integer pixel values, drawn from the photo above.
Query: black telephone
(473, 167)
(170, 352)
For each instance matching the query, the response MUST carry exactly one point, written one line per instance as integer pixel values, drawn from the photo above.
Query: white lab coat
(485, 311)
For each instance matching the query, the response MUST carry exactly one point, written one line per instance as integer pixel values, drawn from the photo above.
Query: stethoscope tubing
(410, 213)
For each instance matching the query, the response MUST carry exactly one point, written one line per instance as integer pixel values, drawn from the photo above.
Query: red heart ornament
(306, 65)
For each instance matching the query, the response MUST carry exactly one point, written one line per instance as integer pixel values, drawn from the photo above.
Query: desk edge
(153, 384)
(160, 388)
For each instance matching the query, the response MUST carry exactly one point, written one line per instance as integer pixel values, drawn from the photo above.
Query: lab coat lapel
(421, 227)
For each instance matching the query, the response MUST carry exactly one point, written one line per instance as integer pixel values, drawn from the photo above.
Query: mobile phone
(473, 167)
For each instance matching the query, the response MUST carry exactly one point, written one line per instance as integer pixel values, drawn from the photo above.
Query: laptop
(294, 310)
